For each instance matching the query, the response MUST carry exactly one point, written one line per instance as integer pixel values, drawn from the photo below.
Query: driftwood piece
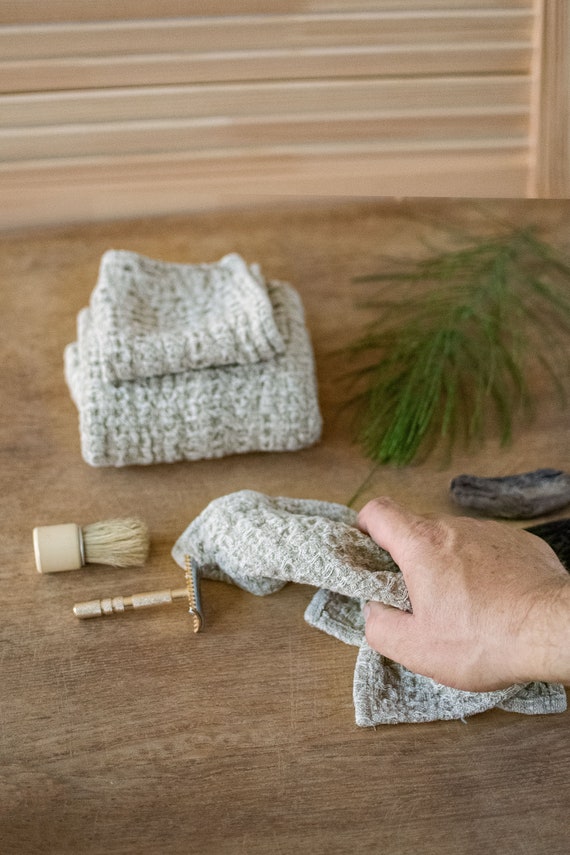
(529, 494)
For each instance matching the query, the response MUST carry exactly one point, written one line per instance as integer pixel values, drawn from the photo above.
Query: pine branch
(436, 361)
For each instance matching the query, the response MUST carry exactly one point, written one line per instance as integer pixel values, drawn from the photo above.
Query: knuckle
(433, 531)
(380, 503)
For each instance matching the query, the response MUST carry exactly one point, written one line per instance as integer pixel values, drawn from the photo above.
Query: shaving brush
(118, 542)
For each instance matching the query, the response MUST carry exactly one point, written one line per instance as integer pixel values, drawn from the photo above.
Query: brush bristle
(121, 542)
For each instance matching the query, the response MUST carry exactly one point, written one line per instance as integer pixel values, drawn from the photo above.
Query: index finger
(389, 525)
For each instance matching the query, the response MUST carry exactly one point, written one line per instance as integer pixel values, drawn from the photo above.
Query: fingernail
(366, 611)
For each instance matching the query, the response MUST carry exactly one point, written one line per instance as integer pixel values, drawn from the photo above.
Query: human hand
(491, 603)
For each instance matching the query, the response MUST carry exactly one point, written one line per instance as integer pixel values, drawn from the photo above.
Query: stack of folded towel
(260, 543)
(181, 362)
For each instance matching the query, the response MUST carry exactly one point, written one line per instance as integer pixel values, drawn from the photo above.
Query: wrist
(546, 635)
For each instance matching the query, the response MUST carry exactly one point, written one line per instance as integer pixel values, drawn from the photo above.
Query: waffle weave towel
(207, 411)
(260, 543)
(152, 317)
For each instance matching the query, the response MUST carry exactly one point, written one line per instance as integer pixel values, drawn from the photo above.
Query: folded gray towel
(259, 543)
(152, 317)
(268, 405)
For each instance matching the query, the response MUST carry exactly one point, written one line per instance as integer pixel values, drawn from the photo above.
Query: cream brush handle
(58, 548)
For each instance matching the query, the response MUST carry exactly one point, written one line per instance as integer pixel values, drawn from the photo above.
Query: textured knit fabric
(387, 693)
(260, 543)
(269, 405)
(152, 317)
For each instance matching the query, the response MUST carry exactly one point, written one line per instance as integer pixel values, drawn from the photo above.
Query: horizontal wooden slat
(95, 72)
(21, 11)
(259, 32)
(227, 160)
(36, 196)
(143, 53)
(397, 128)
(261, 98)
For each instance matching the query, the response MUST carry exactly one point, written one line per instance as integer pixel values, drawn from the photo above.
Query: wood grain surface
(131, 734)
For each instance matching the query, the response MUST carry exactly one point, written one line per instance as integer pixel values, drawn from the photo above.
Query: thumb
(389, 630)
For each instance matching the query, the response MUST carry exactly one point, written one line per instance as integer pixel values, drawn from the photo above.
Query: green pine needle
(438, 362)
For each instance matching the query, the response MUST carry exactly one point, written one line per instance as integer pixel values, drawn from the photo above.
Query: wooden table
(133, 735)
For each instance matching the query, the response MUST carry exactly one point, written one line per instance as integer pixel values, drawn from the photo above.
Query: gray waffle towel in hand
(182, 362)
(260, 543)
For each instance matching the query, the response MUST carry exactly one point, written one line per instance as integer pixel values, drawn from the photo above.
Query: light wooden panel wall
(116, 109)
